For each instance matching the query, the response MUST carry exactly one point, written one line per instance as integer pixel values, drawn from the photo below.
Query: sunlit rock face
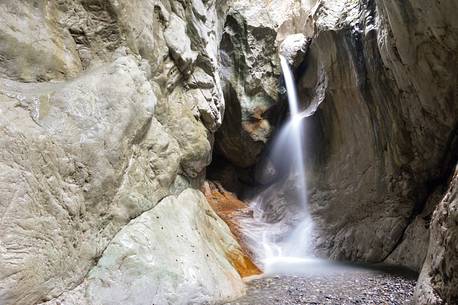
(383, 134)
(65, 149)
(294, 48)
(106, 108)
(33, 47)
(150, 261)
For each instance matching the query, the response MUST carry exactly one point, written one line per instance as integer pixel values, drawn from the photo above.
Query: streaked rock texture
(438, 280)
(384, 138)
(231, 209)
(383, 134)
(250, 71)
(68, 173)
(33, 45)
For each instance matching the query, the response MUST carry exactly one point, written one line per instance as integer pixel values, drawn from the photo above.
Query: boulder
(158, 259)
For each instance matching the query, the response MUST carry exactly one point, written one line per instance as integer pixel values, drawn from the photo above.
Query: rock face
(106, 108)
(294, 48)
(150, 261)
(383, 77)
(250, 71)
(411, 251)
(109, 111)
(250, 77)
(231, 209)
(382, 136)
(438, 280)
(66, 148)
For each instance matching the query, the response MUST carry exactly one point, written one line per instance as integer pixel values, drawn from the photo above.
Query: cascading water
(283, 240)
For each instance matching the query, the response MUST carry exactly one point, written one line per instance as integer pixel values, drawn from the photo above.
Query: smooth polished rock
(66, 150)
(159, 259)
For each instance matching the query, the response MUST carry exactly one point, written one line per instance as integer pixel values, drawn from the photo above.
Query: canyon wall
(438, 280)
(250, 71)
(383, 143)
(107, 117)
(384, 132)
(110, 112)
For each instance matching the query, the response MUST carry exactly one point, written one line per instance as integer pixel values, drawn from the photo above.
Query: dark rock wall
(387, 121)
(438, 282)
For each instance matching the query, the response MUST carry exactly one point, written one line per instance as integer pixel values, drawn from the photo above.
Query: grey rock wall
(383, 141)
(106, 108)
(438, 280)
(250, 70)
(384, 129)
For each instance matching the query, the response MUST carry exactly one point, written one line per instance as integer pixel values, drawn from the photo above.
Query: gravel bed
(350, 286)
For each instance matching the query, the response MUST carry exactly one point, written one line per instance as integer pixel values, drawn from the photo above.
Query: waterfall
(280, 234)
(294, 130)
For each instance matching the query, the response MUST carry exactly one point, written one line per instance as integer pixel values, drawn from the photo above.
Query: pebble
(350, 287)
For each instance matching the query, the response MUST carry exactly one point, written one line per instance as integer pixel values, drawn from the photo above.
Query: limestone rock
(439, 277)
(231, 209)
(384, 129)
(250, 70)
(97, 126)
(411, 251)
(293, 48)
(65, 148)
(194, 139)
(179, 43)
(142, 25)
(34, 47)
(158, 259)
(109, 106)
(251, 73)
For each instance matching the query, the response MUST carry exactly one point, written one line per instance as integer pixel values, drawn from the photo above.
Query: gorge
(149, 155)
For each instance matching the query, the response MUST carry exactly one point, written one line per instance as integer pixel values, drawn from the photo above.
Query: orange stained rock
(229, 208)
(242, 263)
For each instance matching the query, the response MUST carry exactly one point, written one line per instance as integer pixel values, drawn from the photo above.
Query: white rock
(179, 43)
(294, 47)
(159, 259)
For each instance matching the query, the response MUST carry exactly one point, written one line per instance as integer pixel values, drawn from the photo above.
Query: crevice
(439, 183)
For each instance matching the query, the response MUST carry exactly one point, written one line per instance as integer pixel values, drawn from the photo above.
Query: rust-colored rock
(230, 208)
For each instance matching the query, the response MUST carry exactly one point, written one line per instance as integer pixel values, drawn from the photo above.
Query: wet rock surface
(355, 286)
(384, 131)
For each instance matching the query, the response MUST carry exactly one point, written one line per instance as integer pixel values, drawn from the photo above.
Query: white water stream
(283, 245)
